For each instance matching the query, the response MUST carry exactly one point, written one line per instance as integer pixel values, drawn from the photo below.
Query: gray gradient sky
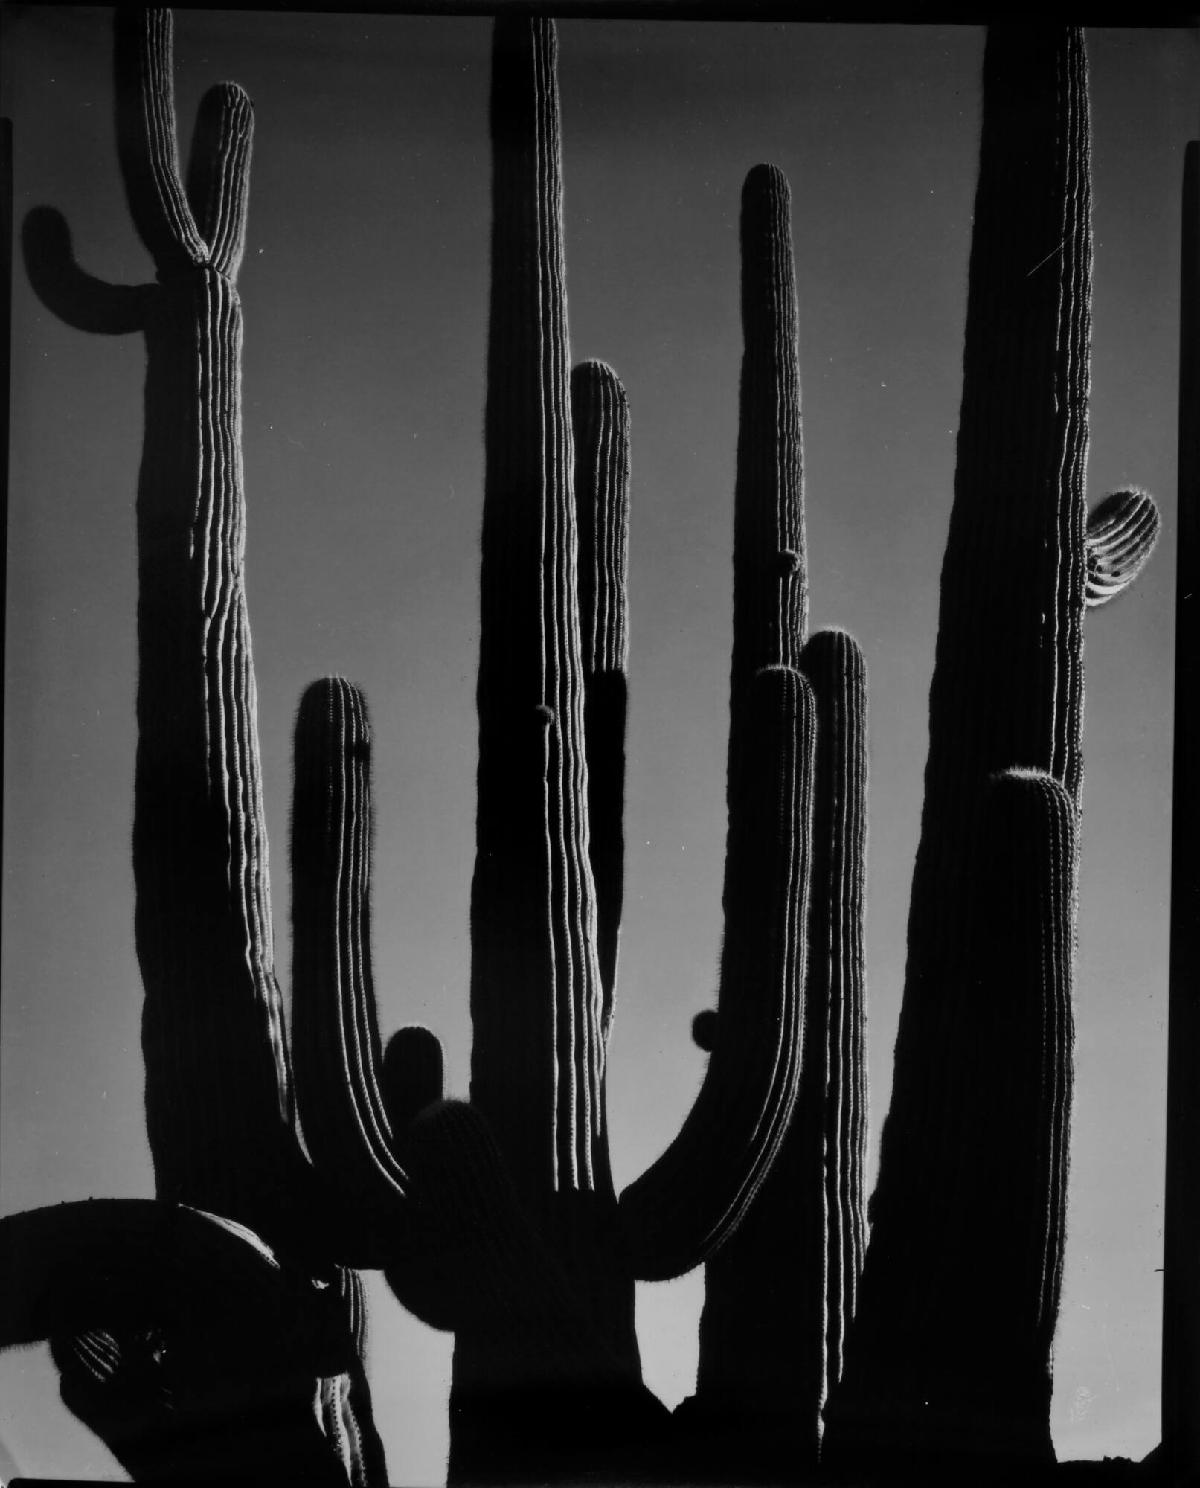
(365, 297)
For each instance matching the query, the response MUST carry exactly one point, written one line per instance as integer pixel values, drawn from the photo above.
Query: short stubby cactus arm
(537, 1057)
(600, 419)
(926, 1375)
(691, 1199)
(1121, 533)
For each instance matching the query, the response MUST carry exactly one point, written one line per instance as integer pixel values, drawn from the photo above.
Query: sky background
(365, 296)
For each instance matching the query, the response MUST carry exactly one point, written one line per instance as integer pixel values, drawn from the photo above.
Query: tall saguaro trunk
(1181, 1221)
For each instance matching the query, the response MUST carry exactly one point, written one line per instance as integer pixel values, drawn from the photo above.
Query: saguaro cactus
(1181, 1220)
(974, 1150)
(778, 1296)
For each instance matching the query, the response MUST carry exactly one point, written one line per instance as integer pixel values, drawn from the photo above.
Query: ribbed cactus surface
(1007, 691)
(600, 416)
(779, 1295)
(1121, 533)
(1181, 1218)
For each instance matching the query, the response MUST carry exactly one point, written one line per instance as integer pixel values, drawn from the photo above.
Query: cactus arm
(600, 420)
(219, 174)
(147, 141)
(779, 1296)
(537, 1050)
(98, 1263)
(335, 1035)
(77, 298)
(1121, 533)
(691, 1199)
(770, 602)
(996, 1187)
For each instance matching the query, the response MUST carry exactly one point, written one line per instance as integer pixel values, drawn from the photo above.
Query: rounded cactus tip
(704, 1030)
(766, 180)
(787, 561)
(545, 715)
(1122, 531)
(413, 1073)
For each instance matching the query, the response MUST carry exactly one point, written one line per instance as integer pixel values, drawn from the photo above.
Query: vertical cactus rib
(831, 1115)
(600, 419)
(980, 1385)
(1181, 1219)
(218, 174)
(1121, 533)
(335, 1034)
(780, 1295)
(217, 1086)
(691, 1199)
(537, 1056)
(1007, 687)
(147, 140)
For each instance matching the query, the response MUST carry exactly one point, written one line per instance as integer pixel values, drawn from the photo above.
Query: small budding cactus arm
(1121, 533)
(1007, 691)
(1181, 1219)
(779, 1295)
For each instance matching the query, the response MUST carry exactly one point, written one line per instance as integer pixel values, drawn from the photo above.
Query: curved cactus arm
(691, 1199)
(147, 140)
(78, 299)
(537, 1056)
(923, 1377)
(335, 1036)
(600, 419)
(779, 1296)
(131, 1263)
(1121, 533)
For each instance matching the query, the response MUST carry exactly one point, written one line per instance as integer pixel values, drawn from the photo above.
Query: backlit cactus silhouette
(780, 1294)
(498, 1220)
(219, 1106)
(511, 1234)
(551, 686)
(1181, 1216)
(973, 1165)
